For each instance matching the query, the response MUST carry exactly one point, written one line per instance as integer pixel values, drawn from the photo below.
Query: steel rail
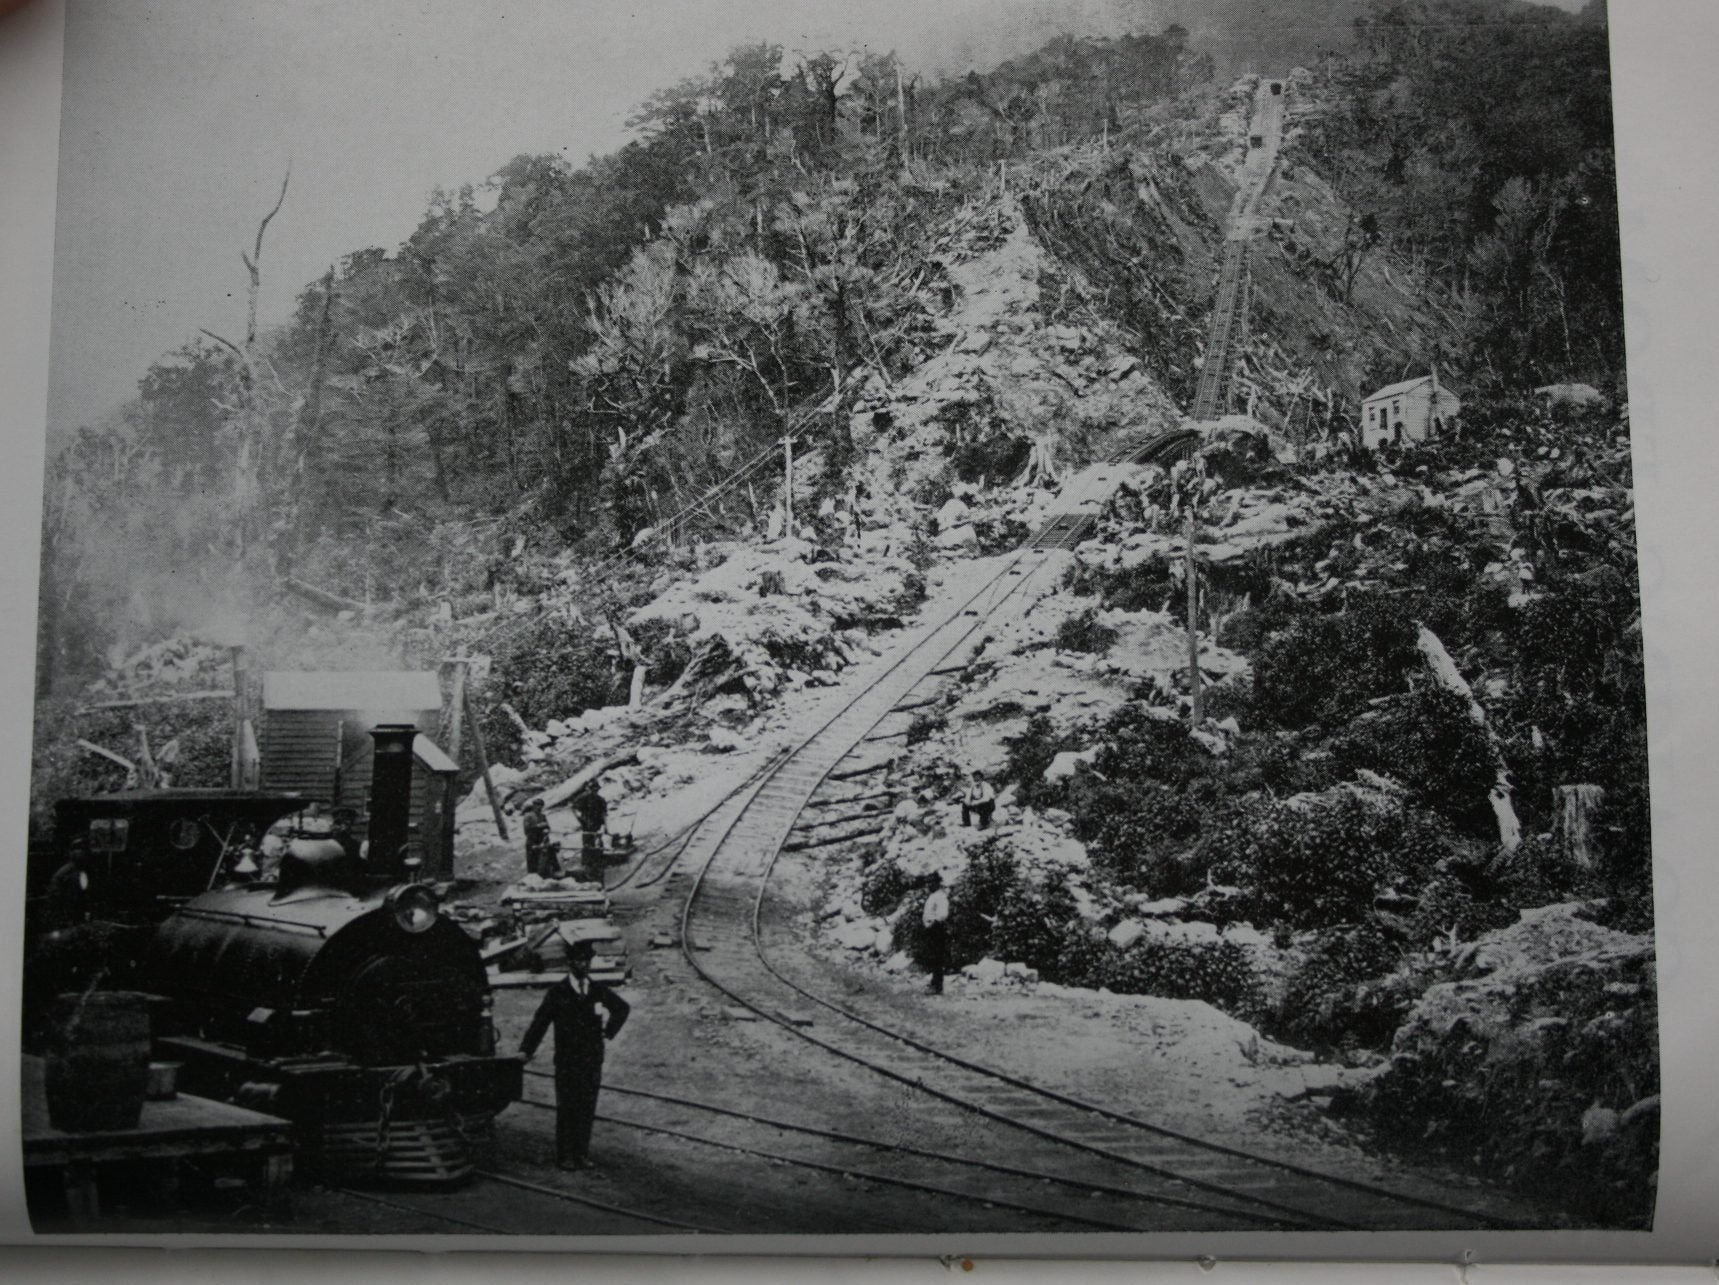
(559, 1193)
(846, 1171)
(923, 1153)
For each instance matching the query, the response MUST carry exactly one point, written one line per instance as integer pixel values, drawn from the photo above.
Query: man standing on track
(571, 1007)
(935, 918)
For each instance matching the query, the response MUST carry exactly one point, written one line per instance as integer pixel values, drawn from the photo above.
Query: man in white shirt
(978, 802)
(935, 919)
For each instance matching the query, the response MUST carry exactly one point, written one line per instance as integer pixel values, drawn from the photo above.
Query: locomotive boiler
(339, 997)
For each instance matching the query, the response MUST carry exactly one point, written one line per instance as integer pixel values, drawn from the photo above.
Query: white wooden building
(1411, 411)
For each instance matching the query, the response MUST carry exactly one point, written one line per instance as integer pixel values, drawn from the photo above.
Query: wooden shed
(316, 740)
(1411, 411)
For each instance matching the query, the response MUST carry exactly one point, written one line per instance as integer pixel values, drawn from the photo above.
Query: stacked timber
(540, 918)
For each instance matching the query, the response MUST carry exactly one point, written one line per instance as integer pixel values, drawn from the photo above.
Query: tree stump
(1573, 809)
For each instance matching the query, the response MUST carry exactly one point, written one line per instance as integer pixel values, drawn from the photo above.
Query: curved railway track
(722, 940)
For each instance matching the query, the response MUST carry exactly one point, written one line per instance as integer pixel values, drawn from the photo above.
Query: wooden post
(451, 795)
(338, 785)
(237, 774)
(1195, 713)
(901, 113)
(788, 487)
(483, 762)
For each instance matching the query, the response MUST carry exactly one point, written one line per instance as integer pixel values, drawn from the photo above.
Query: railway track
(531, 1208)
(832, 1151)
(676, 844)
(1083, 1142)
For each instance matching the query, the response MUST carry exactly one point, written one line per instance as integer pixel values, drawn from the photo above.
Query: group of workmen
(543, 854)
(583, 1013)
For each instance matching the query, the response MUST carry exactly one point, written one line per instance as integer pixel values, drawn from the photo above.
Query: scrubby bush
(885, 885)
(1429, 743)
(1029, 755)
(1325, 669)
(1136, 831)
(545, 670)
(61, 768)
(976, 899)
(1308, 867)
(1549, 1079)
(1328, 1001)
(1217, 972)
(926, 725)
(1084, 632)
(1000, 534)
(1037, 926)
(1146, 586)
(990, 457)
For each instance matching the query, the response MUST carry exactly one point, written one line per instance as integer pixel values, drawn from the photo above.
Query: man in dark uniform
(70, 899)
(539, 847)
(592, 810)
(571, 1007)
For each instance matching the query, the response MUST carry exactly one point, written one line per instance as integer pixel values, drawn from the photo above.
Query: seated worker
(980, 801)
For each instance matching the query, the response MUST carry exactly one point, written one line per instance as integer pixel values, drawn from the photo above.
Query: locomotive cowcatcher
(334, 993)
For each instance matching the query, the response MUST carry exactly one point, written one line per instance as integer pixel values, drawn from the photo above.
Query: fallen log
(851, 836)
(850, 773)
(590, 772)
(1446, 675)
(321, 597)
(92, 748)
(155, 700)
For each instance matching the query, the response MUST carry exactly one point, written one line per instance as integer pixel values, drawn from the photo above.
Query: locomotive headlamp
(414, 907)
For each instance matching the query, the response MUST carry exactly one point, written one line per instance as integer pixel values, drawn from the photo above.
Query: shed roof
(1397, 390)
(353, 689)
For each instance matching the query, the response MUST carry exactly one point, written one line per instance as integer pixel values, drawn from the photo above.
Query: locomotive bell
(391, 797)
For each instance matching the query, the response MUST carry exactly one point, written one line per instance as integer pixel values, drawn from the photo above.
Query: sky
(181, 117)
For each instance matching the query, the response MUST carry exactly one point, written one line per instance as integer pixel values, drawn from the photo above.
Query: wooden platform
(258, 1146)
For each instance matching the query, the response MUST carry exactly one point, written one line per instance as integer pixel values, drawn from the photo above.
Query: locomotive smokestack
(391, 797)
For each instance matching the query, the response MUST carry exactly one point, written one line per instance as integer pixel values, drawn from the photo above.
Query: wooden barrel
(98, 1068)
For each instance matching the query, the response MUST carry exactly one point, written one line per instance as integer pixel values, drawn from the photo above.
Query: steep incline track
(1081, 1141)
(1227, 327)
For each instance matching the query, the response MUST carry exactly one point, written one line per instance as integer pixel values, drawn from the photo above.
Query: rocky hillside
(1325, 854)
(1409, 834)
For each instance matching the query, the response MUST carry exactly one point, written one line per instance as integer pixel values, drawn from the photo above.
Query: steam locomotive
(335, 994)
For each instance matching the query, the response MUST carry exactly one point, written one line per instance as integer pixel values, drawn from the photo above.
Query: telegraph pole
(1195, 718)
